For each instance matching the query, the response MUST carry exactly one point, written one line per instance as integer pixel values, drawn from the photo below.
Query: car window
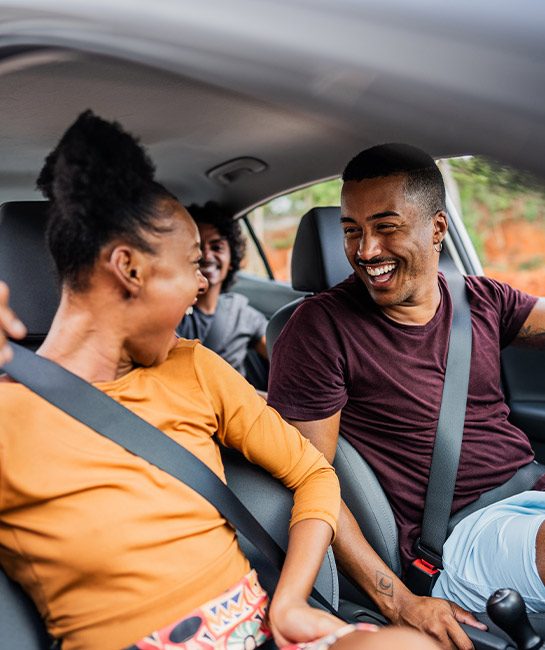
(503, 210)
(253, 261)
(275, 225)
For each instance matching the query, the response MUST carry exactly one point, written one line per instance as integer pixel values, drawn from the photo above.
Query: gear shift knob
(506, 609)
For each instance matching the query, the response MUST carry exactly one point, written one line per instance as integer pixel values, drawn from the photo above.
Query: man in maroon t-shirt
(367, 359)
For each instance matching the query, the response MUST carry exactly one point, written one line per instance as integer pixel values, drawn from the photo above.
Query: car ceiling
(301, 84)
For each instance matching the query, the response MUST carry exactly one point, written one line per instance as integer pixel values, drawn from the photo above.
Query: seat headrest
(318, 261)
(26, 265)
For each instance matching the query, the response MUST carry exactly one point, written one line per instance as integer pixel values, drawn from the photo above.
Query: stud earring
(438, 247)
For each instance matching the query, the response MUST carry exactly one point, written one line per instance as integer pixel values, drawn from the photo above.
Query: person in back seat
(366, 359)
(114, 552)
(224, 321)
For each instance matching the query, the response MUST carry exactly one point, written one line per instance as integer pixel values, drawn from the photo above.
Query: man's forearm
(359, 561)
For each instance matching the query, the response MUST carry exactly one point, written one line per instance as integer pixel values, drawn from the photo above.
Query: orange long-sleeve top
(110, 547)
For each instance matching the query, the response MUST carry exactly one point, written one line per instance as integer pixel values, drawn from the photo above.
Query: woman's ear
(126, 264)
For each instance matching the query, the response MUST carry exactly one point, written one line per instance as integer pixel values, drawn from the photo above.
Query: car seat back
(26, 265)
(318, 262)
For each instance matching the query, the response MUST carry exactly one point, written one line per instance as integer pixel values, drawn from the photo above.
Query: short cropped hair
(217, 216)
(423, 181)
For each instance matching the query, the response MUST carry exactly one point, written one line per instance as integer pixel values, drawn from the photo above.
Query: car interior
(234, 127)
(315, 267)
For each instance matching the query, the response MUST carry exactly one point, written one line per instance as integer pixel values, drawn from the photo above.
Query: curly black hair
(212, 213)
(100, 183)
(423, 181)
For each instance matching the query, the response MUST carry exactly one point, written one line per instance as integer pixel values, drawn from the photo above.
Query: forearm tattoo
(532, 338)
(384, 584)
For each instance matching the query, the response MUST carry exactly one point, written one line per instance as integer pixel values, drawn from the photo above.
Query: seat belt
(215, 336)
(424, 571)
(98, 411)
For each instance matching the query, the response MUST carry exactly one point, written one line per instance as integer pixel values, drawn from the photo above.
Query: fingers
(459, 638)
(10, 325)
(302, 624)
(463, 616)
(437, 617)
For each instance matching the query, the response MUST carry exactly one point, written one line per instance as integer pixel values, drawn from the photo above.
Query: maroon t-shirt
(339, 351)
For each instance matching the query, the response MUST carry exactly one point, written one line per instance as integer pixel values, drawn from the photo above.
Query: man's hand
(439, 618)
(10, 325)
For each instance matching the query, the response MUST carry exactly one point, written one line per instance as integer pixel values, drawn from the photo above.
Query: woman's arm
(10, 325)
(291, 619)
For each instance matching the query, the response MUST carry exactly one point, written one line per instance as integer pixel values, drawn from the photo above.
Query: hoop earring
(438, 250)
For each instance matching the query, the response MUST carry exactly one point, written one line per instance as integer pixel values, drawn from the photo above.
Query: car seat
(318, 263)
(26, 265)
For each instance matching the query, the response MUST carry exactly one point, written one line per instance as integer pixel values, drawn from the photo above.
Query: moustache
(374, 261)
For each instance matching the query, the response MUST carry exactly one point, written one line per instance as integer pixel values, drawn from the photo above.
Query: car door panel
(523, 374)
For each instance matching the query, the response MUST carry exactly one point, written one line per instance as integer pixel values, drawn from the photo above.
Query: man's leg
(502, 545)
(540, 552)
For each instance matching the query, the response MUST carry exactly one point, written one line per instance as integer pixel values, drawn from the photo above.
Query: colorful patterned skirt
(235, 620)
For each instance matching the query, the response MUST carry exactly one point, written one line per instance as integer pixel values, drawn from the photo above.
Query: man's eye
(386, 226)
(350, 231)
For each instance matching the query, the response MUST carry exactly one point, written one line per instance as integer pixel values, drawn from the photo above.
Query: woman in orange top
(114, 551)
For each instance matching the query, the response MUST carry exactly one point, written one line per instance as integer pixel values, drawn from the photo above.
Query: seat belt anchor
(424, 571)
(421, 577)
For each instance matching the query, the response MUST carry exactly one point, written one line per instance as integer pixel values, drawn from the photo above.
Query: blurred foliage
(491, 192)
(298, 202)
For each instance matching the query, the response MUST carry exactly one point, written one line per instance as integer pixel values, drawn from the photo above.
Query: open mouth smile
(379, 273)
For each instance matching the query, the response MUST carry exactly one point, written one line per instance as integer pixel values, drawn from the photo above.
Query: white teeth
(379, 270)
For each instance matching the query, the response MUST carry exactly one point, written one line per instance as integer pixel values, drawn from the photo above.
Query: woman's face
(172, 281)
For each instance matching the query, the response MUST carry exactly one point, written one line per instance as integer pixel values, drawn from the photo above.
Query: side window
(503, 210)
(275, 225)
(253, 262)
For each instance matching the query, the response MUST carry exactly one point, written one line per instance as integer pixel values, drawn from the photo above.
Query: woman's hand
(294, 621)
(10, 325)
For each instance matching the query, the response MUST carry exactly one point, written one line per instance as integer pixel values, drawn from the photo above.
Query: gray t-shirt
(231, 331)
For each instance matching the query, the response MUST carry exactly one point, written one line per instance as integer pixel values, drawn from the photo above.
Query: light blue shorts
(494, 548)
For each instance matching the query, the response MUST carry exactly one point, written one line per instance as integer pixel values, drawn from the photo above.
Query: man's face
(388, 242)
(216, 254)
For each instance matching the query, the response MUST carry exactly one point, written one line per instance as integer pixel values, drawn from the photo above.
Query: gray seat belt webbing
(216, 334)
(90, 406)
(450, 427)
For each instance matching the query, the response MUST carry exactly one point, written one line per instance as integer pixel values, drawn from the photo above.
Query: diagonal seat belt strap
(450, 427)
(90, 406)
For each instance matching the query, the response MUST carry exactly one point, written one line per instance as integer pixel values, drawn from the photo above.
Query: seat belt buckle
(421, 577)
(424, 571)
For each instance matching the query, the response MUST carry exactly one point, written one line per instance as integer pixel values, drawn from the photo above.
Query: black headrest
(318, 261)
(26, 265)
